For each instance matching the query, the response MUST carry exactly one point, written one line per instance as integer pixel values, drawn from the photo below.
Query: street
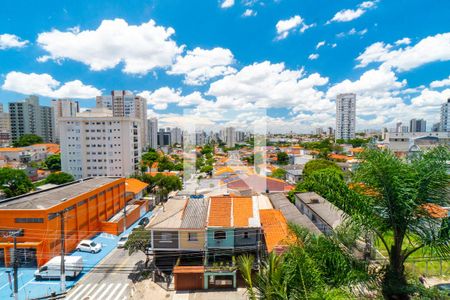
(110, 279)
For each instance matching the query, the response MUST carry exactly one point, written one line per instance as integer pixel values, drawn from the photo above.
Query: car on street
(122, 241)
(89, 246)
(143, 222)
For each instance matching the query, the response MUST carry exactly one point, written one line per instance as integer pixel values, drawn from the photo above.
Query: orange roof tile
(276, 232)
(220, 212)
(357, 150)
(434, 210)
(163, 173)
(242, 211)
(11, 149)
(155, 165)
(339, 156)
(134, 185)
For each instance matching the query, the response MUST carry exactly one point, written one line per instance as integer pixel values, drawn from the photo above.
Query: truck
(52, 269)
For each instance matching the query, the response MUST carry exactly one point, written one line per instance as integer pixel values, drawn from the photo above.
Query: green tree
(206, 169)
(53, 162)
(318, 164)
(27, 140)
(279, 173)
(282, 158)
(14, 182)
(139, 240)
(149, 157)
(316, 267)
(386, 199)
(59, 178)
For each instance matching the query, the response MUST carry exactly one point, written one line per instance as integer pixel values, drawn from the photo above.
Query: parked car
(89, 246)
(122, 241)
(52, 269)
(144, 222)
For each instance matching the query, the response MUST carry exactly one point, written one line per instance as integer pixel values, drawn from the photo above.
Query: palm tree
(387, 198)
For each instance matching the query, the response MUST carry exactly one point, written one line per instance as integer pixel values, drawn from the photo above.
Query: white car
(89, 246)
(122, 241)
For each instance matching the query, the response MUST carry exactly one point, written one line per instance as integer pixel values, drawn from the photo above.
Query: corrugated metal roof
(195, 213)
(291, 213)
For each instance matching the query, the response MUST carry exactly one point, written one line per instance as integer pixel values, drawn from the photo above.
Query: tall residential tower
(345, 116)
(445, 116)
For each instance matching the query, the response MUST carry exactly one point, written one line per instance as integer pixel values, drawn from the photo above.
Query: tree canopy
(319, 164)
(282, 158)
(53, 162)
(279, 173)
(139, 240)
(27, 140)
(387, 198)
(59, 178)
(14, 182)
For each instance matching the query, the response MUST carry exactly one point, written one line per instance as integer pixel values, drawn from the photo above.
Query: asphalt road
(110, 279)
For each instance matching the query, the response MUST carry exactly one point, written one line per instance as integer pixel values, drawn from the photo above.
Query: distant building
(126, 104)
(5, 127)
(200, 138)
(230, 137)
(345, 116)
(176, 135)
(445, 116)
(417, 125)
(319, 131)
(95, 143)
(63, 108)
(404, 143)
(164, 138)
(152, 125)
(240, 136)
(28, 117)
(436, 127)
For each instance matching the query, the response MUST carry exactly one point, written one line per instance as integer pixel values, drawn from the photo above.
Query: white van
(52, 269)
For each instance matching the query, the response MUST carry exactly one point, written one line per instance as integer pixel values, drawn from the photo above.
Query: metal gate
(26, 257)
(2, 257)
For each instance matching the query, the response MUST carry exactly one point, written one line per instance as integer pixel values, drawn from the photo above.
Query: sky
(200, 59)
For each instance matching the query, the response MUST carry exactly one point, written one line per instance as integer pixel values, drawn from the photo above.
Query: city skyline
(288, 67)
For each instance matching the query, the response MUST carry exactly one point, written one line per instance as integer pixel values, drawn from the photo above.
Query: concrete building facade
(152, 125)
(96, 143)
(63, 108)
(345, 116)
(126, 104)
(5, 127)
(417, 125)
(28, 117)
(445, 116)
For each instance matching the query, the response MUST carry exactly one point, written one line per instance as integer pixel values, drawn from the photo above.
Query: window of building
(29, 220)
(220, 235)
(192, 236)
(245, 235)
(166, 237)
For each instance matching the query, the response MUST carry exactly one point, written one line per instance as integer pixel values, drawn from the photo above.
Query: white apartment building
(230, 137)
(152, 126)
(176, 136)
(5, 127)
(445, 116)
(345, 116)
(126, 104)
(95, 143)
(63, 108)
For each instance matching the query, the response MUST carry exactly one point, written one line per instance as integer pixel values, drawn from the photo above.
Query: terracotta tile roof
(134, 185)
(275, 227)
(188, 269)
(260, 184)
(242, 211)
(155, 165)
(434, 210)
(163, 173)
(357, 150)
(220, 212)
(339, 157)
(11, 149)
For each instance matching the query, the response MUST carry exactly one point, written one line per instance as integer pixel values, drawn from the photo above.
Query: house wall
(240, 239)
(185, 244)
(228, 242)
(160, 241)
(320, 224)
(82, 220)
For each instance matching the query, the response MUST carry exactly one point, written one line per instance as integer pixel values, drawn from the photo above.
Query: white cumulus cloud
(347, 15)
(284, 27)
(161, 97)
(140, 48)
(249, 13)
(11, 41)
(200, 65)
(45, 85)
(320, 44)
(430, 49)
(440, 83)
(313, 56)
(227, 3)
(403, 41)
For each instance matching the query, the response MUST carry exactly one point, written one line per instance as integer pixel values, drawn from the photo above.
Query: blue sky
(288, 57)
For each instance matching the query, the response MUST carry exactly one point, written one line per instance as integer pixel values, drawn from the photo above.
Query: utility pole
(63, 248)
(15, 268)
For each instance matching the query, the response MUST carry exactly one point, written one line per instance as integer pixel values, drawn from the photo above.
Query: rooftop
(291, 213)
(233, 211)
(170, 217)
(52, 197)
(323, 208)
(195, 213)
(134, 185)
(275, 227)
